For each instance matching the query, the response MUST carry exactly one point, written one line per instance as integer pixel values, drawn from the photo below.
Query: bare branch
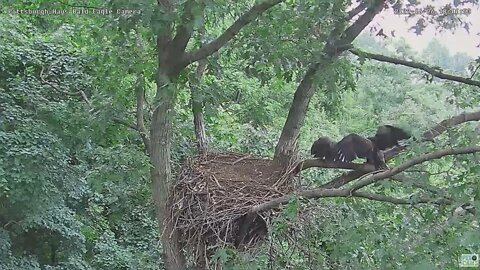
(140, 93)
(445, 124)
(430, 70)
(383, 198)
(412, 162)
(309, 163)
(230, 33)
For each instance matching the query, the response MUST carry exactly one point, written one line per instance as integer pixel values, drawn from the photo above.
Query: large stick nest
(212, 195)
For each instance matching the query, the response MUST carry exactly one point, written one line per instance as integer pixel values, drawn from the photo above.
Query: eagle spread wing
(351, 147)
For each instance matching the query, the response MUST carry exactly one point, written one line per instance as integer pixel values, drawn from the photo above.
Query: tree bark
(287, 144)
(197, 107)
(286, 148)
(160, 143)
(172, 59)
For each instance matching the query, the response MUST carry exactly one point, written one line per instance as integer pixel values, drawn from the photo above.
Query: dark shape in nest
(212, 195)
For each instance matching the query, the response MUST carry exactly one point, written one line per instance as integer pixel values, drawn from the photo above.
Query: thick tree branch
(230, 33)
(309, 163)
(448, 123)
(325, 193)
(185, 29)
(430, 70)
(352, 191)
(428, 135)
(355, 11)
(164, 34)
(412, 162)
(357, 27)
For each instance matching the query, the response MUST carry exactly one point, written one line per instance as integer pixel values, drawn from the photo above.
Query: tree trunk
(197, 107)
(286, 149)
(160, 141)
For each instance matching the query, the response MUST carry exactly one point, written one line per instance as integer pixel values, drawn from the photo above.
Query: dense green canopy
(98, 112)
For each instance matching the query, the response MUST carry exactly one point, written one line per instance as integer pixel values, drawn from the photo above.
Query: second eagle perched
(388, 136)
(355, 146)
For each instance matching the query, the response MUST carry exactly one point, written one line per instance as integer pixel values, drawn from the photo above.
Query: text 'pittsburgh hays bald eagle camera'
(355, 146)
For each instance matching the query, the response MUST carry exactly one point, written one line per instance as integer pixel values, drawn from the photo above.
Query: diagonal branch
(430, 70)
(230, 33)
(412, 162)
(355, 11)
(428, 135)
(352, 191)
(357, 27)
(448, 123)
(125, 123)
(185, 29)
(325, 193)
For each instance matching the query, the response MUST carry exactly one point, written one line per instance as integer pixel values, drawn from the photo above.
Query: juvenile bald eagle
(323, 149)
(355, 146)
(388, 136)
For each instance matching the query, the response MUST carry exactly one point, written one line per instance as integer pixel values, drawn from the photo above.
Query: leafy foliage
(63, 196)
(74, 181)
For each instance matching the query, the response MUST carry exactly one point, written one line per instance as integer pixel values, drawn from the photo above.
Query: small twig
(240, 159)
(475, 71)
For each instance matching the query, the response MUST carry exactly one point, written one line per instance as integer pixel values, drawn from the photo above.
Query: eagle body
(355, 146)
(323, 148)
(388, 136)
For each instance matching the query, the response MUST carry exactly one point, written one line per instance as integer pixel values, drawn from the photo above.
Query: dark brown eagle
(355, 146)
(388, 136)
(323, 149)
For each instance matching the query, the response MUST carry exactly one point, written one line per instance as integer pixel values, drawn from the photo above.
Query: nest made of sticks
(212, 195)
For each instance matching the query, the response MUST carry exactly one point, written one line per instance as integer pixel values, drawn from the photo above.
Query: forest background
(99, 112)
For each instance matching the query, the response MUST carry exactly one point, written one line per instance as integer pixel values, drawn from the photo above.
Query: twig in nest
(234, 188)
(216, 181)
(240, 159)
